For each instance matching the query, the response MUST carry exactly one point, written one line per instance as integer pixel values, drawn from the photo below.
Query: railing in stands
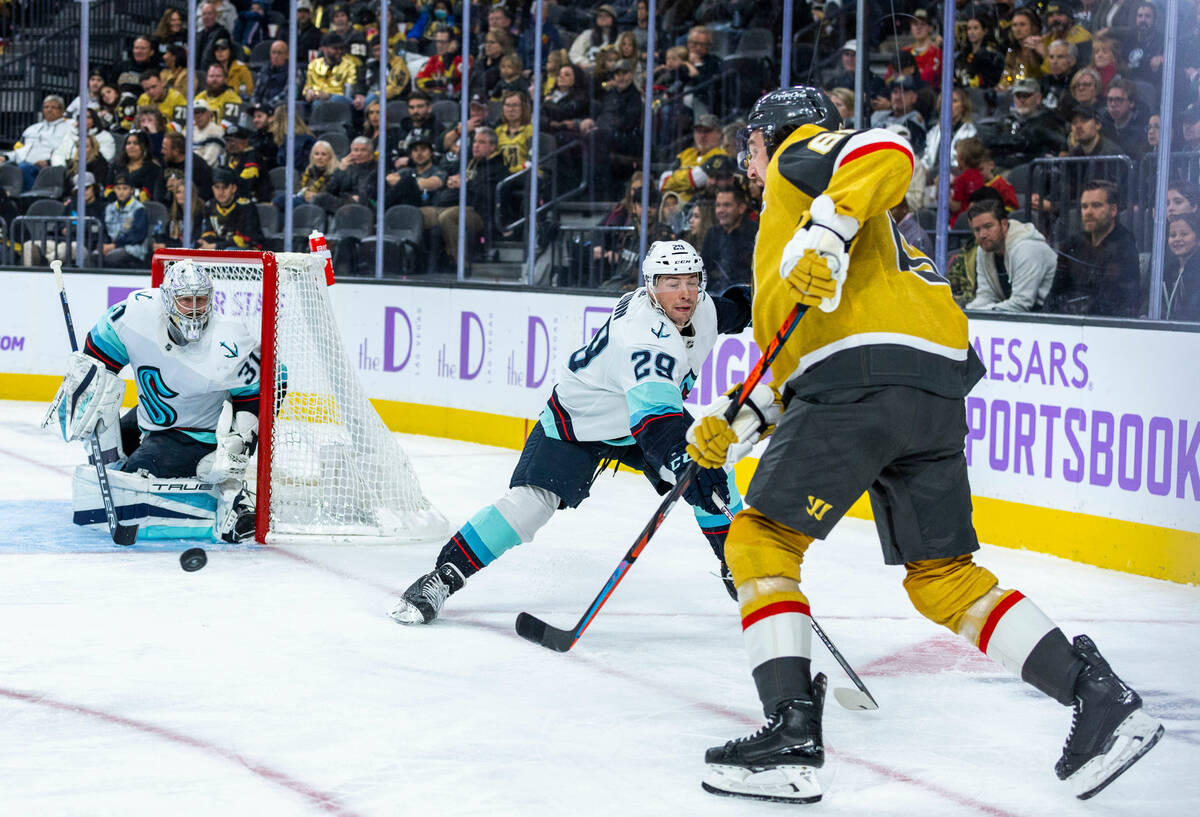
(1058, 183)
(573, 261)
(45, 238)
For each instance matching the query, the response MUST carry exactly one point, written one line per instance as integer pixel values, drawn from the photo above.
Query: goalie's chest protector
(183, 387)
(637, 346)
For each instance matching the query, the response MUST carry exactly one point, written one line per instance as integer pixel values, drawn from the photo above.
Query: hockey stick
(849, 698)
(534, 629)
(121, 534)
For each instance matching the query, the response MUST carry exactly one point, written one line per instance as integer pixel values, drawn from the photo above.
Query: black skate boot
(1109, 730)
(423, 599)
(778, 762)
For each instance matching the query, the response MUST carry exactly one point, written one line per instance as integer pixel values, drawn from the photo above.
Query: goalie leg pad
(162, 508)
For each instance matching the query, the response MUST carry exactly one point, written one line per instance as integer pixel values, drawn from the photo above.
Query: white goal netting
(336, 472)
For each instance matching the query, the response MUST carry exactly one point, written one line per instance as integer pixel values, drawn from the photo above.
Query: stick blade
(854, 699)
(532, 628)
(125, 534)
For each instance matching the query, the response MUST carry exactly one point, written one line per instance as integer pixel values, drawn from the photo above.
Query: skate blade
(1135, 736)
(783, 784)
(405, 613)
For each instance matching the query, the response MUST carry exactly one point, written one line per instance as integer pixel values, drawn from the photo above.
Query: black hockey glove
(700, 490)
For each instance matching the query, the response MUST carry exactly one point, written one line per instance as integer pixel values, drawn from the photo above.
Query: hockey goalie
(176, 464)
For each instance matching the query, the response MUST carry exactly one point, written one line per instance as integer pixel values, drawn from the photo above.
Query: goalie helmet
(187, 294)
(780, 112)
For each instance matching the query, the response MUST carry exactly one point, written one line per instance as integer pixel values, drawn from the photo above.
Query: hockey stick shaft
(121, 534)
(534, 629)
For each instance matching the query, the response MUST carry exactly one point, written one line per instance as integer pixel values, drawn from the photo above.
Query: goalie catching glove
(815, 260)
(714, 442)
(236, 434)
(90, 395)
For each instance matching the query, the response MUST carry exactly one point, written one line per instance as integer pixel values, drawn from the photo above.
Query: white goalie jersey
(638, 367)
(179, 387)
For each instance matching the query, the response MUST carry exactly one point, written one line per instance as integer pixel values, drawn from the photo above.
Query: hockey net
(328, 468)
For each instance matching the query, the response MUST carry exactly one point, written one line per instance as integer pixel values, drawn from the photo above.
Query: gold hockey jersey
(897, 323)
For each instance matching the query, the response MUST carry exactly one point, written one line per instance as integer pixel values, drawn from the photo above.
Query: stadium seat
(403, 229)
(48, 184)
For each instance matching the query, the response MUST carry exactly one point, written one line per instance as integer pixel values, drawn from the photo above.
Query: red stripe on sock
(994, 617)
(466, 551)
(774, 610)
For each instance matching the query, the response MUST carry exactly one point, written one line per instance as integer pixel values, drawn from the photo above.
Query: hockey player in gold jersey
(868, 395)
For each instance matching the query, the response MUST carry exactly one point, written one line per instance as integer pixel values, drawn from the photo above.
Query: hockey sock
(779, 640)
(513, 519)
(1017, 635)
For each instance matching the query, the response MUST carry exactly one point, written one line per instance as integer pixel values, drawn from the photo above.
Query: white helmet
(672, 258)
(187, 300)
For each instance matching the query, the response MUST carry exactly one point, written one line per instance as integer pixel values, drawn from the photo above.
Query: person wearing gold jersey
(868, 396)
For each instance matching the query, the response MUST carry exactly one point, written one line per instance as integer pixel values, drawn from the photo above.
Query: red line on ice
(326, 802)
(62, 469)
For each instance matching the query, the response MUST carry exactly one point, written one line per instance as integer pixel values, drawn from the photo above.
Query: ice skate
(778, 762)
(727, 578)
(423, 599)
(1109, 731)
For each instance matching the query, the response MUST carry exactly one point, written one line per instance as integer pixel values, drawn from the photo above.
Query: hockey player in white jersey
(187, 362)
(621, 400)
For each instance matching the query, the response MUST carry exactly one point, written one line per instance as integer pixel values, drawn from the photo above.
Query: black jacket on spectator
(572, 107)
(728, 257)
(1014, 141)
(1130, 136)
(619, 116)
(310, 42)
(353, 185)
(205, 37)
(1181, 290)
(235, 227)
(985, 65)
(201, 178)
(147, 180)
(270, 86)
(482, 178)
(1097, 280)
(129, 72)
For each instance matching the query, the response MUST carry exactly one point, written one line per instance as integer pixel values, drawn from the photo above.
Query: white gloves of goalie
(89, 397)
(235, 434)
(714, 442)
(815, 260)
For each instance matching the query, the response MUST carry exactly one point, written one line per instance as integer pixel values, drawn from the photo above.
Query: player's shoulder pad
(807, 158)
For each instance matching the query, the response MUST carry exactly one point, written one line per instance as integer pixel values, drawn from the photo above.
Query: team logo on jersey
(817, 507)
(228, 351)
(661, 331)
(142, 296)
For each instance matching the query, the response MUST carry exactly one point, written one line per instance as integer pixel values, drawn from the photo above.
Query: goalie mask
(780, 112)
(186, 293)
(672, 258)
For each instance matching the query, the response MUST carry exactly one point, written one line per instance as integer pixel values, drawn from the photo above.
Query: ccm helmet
(780, 112)
(672, 258)
(187, 300)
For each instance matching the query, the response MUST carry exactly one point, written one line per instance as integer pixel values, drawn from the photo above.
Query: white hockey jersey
(636, 369)
(178, 387)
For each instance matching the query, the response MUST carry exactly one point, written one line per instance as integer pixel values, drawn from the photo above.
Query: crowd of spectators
(1073, 80)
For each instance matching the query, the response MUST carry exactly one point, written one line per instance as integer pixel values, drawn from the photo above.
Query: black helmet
(780, 112)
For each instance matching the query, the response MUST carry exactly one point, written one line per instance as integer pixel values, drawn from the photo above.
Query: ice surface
(273, 683)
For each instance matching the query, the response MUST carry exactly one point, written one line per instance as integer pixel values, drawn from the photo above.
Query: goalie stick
(532, 628)
(121, 534)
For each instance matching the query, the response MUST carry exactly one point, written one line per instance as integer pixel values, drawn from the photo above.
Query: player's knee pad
(944, 590)
(527, 508)
(764, 552)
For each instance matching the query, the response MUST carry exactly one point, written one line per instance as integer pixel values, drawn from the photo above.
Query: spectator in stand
(243, 160)
(171, 30)
(1189, 129)
(208, 138)
(979, 64)
(270, 83)
(399, 81)
(1098, 267)
(421, 183)
(1028, 131)
(252, 27)
(237, 74)
(68, 148)
(485, 74)
(170, 233)
(909, 226)
(1182, 197)
(485, 170)
(126, 225)
(1085, 90)
(689, 174)
(602, 33)
(435, 18)
(926, 53)
(109, 109)
(355, 40)
(174, 71)
(499, 18)
(1144, 46)
(331, 76)
(311, 183)
(220, 97)
(1061, 59)
(511, 78)
(551, 37)
(876, 91)
(514, 134)
(150, 121)
(94, 83)
(843, 100)
(701, 216)
(143, 57)
(1061, 25)
(210, 31)
(568, 103)
(169, 102)
(420, 116)
(308, 34)
(304, 139)
(135, 163)
(1181, 274)
(354, 181)
(627, 49)
(441, 76)
(618, 126)
(94, 163)
(1023, 60)
(39, 141)
(225, 12)
(94, 206)
(1104, 61)
(228, 222)
(961, 126)
(174, 156)
(978, 170)
(728, 248)
(1087, 135)
(707, 66)
(1122, 119)
(904, 110)
(1014, 266)
(1153, 132)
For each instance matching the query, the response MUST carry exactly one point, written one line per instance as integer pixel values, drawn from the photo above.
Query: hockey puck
(193, 559)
